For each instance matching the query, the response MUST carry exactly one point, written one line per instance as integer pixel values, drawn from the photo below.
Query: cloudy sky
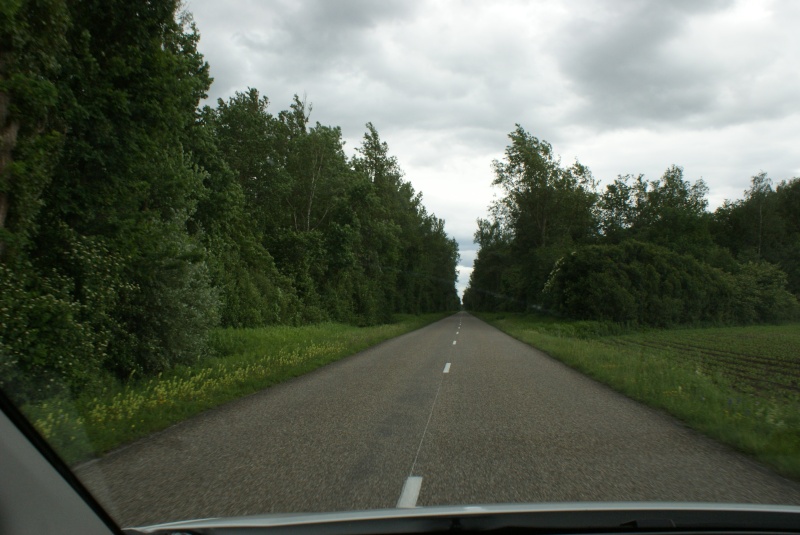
(623, 86)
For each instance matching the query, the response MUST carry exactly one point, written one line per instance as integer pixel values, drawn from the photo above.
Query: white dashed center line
(447, 368)
(454, 342)
(408, 498)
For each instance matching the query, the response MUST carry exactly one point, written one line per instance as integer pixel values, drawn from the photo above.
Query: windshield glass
(273, 257)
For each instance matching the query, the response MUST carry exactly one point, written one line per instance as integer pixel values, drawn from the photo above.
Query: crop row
(775, 343)
(760, 374)
(790, 367)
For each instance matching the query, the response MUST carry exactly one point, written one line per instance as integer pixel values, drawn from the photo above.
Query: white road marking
(425, 431)
(411, 488)
(447, 368)
(454, 342)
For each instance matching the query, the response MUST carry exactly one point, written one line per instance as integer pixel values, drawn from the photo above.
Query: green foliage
(251, 290)
(645, 284)
(37, 315)
(636, 282)
(32, 47)
(760, 294)
(641, 252)
(132, 223)
(131, 82)
(350, 238)
(545, 210)
(670, 212)
(764, 226)
(544, 203)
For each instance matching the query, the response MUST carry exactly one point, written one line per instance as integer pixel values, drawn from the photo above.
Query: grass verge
(737, 385)
(247, 361)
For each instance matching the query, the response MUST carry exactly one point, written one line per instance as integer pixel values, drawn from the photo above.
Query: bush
(46, 349)
(641, 283)
(761, 294)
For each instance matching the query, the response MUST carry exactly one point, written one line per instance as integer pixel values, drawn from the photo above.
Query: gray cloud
(618, 61)
(388, 63)
(679, 64)
(317, 36)
(625, 86)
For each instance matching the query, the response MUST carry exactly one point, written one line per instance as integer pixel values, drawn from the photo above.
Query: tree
(545, 209)
(760, 188)
(488, 287)
(131, 222)
(787, 232)
(637, 283)
(545, 203)
(619, 207)
(405, 249)
(375, 162)
(763, 226)
(245, 133)
(252, 291)
(671, 212)
(129, 90)
(32, 51)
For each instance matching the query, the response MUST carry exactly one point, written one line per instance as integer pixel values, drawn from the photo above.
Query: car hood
(612, 517)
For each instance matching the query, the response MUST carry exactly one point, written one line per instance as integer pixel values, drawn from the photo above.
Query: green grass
(248, 360)
(738, 385)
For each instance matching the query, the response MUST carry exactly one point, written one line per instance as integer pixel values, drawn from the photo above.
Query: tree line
(638, 251)
(132, 221)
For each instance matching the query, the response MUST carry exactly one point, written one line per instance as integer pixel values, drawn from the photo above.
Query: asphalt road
(505, 423)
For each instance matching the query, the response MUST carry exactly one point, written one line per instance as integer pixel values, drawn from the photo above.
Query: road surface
(454, 413)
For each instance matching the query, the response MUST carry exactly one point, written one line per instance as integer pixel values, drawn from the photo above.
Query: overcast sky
(622, 86)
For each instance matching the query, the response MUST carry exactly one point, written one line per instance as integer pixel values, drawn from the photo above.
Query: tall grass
(246, 361)
(762, 423)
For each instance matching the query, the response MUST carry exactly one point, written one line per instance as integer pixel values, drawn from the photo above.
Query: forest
(639, 252)
(133, 220)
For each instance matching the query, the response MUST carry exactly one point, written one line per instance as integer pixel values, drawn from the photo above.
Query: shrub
(650, 285)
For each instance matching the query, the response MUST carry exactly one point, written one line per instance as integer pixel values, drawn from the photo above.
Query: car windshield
(326, 256)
